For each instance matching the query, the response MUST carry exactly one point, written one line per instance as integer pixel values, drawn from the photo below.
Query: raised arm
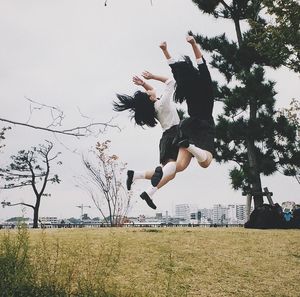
(139, 82)
(170, 60)
(165, 51)
(202, 67)
(196, 49)
(169, 84)
(149, 75)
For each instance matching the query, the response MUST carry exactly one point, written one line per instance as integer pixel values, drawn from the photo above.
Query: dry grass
(172, 261)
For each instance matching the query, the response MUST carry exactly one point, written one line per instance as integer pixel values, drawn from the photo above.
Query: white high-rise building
(206, 215)
(236, 213)
(182, 212)
(241, 213)
(194, 215)
(220, 214)
(231, 212)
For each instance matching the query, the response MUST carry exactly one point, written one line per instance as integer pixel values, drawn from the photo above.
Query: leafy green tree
(74, 220)
(290, 163)
(30, 168)
(277, 36)
(17, 219)
(248, 131)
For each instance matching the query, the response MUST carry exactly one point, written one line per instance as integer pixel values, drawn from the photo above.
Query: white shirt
(165, 108)
(172, 61)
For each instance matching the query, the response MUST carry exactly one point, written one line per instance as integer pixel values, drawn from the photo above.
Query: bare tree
(113, 200)
(30, 168)
(56, 122)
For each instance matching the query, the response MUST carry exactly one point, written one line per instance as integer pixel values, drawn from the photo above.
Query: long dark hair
(185, 75)
(140, 107)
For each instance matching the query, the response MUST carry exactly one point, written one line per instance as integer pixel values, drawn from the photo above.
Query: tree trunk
(238, 31)
(36, 213)
(35, 218)
(254, 176)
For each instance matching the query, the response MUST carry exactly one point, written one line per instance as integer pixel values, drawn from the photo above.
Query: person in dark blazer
(195, 135)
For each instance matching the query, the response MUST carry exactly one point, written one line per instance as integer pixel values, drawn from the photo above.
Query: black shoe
(129, 180)
(148, 200)
(183, 143)
(157, 176)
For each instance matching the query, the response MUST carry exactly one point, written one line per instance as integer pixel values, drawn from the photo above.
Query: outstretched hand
(147, 75)
(163, 45)
(137, 81)
(190, 39)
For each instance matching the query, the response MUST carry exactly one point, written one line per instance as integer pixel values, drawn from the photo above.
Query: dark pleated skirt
(199, 132)
(168, 150)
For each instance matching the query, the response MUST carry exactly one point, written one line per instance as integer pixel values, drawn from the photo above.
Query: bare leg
(207, 162)
(203, 157)
(183, 159)
(148, 174)
(133, 175)
(182, 162)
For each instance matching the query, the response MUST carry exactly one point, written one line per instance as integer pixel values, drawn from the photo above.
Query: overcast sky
(77, 55)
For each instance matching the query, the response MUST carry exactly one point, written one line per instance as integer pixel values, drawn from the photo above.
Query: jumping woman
(196, 134)
(147, 109)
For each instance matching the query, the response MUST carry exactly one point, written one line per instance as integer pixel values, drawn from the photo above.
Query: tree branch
(226, 5)
(68, 132)
(14, 186)
(14, 204)
(48, 149)
(18, 175)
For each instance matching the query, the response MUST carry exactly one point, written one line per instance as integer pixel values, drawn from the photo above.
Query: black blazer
(199, 99)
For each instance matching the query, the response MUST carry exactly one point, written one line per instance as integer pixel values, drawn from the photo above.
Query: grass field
(154, 262)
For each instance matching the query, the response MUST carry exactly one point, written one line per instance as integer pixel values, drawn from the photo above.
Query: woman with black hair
(147, 109)
(196, 133)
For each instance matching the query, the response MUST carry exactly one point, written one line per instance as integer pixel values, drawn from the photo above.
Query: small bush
(29, 271)
(17, 274)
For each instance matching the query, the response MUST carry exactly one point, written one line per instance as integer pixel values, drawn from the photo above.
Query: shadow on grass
(152, 230)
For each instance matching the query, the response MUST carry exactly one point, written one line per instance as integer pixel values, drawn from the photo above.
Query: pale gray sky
(78, 54)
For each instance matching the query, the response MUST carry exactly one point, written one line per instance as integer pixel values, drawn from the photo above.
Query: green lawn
(167, 261)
